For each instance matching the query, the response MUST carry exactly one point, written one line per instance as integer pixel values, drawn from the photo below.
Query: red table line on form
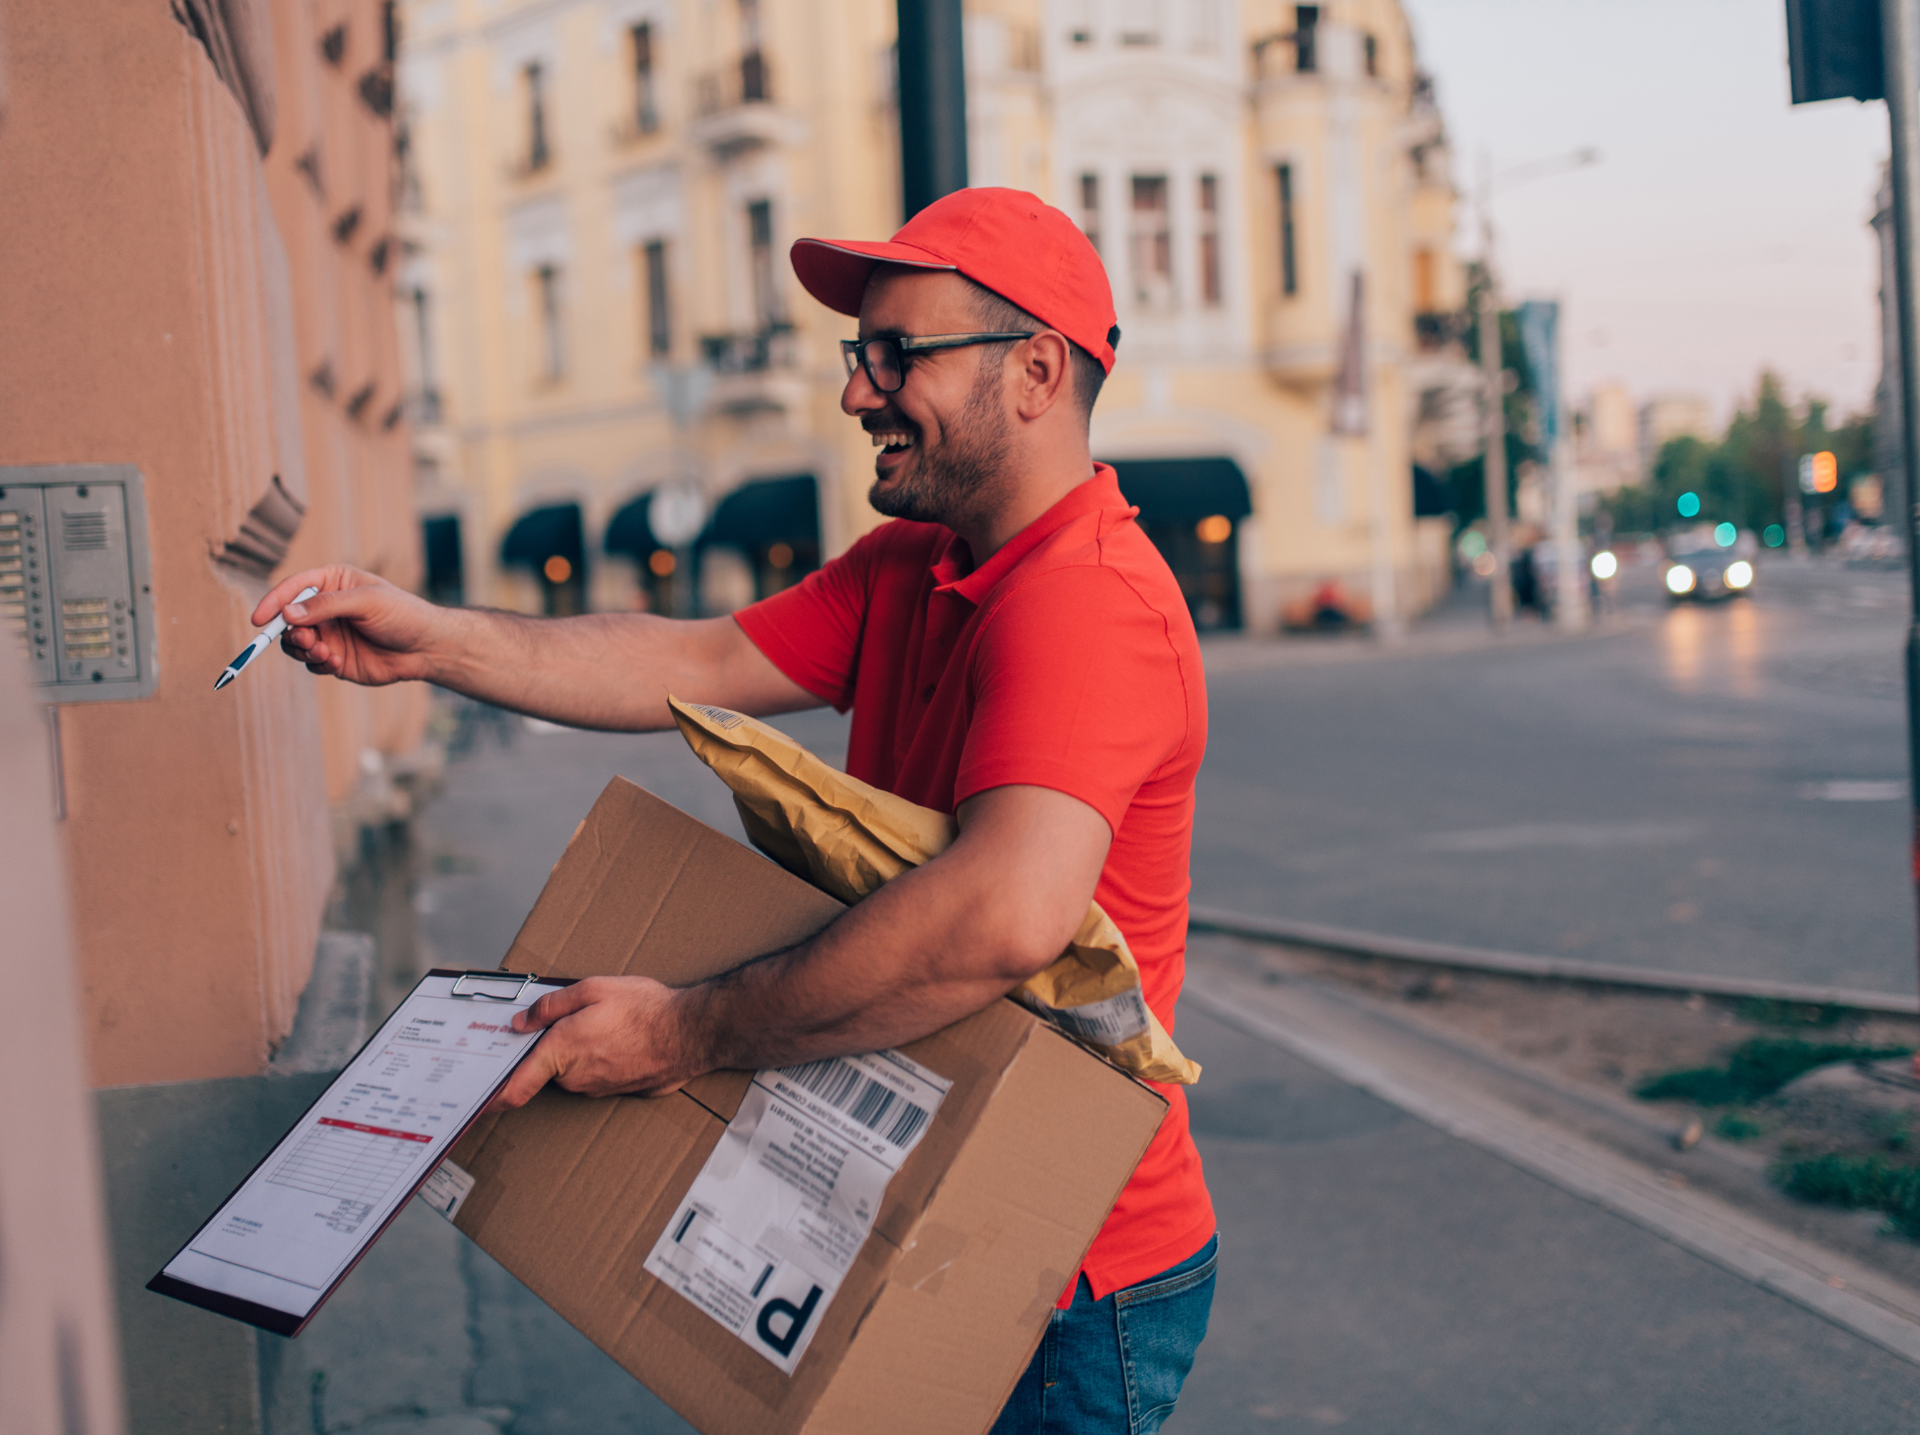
(374, 1130)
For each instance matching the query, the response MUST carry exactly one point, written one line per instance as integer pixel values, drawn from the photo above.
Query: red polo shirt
(1067, 660)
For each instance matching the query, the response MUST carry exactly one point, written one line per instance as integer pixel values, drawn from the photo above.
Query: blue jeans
(1115, 1366)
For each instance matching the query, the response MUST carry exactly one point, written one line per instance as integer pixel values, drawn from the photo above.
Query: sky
(1723, 230)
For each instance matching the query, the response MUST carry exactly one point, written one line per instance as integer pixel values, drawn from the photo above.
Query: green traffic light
(1689, 505)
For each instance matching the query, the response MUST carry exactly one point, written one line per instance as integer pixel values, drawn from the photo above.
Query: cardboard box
(979, 1230)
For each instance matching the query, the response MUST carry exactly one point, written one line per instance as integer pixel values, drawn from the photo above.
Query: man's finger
(283, 591)
(528, 1077)
(331, 607)
(554, 1005)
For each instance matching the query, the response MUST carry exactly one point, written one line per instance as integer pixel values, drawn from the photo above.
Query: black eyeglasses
(885, 360)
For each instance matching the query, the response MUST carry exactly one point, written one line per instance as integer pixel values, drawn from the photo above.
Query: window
(538, 152)
(1090, 208)
(1209, 239)
(1138, 21)
(424, 365)
(754, 87)
(646, 113)
(1424, 301)
(768, 309)
(553, 354)
(1306, 38)
(1289, 260)
(659, 315)
(1152, 241)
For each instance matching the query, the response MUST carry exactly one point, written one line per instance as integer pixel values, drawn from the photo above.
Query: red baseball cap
(1006, 240)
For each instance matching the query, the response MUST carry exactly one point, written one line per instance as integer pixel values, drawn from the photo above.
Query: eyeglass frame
(854, 351)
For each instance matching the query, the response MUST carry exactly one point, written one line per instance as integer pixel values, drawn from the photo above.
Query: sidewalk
(1378, 1274)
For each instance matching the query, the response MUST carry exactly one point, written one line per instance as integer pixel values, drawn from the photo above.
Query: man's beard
(945, 481)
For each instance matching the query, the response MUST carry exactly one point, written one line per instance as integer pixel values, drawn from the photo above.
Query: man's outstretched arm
(932, 946)
(600, 670)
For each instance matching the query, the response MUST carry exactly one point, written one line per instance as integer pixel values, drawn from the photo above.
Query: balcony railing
(747, 81)
(749, 353)
(1279, 57)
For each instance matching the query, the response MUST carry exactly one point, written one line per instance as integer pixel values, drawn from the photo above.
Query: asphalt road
(1378, 1276)
(1708, 788)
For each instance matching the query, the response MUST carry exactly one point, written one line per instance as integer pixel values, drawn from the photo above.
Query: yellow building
(623, 397)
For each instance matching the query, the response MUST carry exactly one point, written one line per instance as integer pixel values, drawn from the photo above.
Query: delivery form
(281, 1242)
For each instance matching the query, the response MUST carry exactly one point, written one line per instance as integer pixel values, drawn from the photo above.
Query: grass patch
(1892, 1129)
(1757, 1068)
(1771, 1011)
(1735, 1126)
(1858, 1183)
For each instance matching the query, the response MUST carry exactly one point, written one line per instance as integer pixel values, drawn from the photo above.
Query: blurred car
(1708, 574)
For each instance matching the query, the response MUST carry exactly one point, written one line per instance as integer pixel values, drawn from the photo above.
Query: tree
(1746, 477)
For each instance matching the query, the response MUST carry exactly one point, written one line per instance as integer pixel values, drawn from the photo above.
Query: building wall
(161, 309)
(1058, 90)
(332, 178)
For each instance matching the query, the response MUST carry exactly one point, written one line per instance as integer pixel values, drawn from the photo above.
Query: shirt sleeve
(811, 631)
(1076, 686)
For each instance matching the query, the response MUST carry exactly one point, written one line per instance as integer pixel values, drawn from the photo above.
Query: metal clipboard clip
(519, 991)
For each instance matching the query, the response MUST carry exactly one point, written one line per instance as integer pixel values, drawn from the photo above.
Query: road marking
(1345, 1044)
(1891, 790)
(1526, 836)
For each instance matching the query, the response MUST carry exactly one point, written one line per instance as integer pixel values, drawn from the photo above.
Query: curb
(1342, 1040)
(1516, 964)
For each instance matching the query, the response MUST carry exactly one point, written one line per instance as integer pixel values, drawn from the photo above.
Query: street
(1636, 796)
(1716, 788)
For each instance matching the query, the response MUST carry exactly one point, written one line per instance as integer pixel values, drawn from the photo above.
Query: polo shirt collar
(1102, 491)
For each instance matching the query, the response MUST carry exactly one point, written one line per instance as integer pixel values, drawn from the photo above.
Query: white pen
(259, 644)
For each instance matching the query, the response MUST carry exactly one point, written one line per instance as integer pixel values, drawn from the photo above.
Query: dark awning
(1432, 498)
(1184, 490)
(545, 533)
(768, 510)
(630, 533)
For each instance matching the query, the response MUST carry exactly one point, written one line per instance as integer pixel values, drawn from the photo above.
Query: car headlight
(1680, 579)
(1605, 565)
(1739, 574)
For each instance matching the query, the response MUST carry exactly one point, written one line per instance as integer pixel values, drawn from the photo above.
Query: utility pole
(1831, 55)
(1900, 45)
(1494, 376)
(933, 102)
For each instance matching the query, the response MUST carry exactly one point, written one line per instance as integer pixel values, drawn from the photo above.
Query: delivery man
(1015, 652)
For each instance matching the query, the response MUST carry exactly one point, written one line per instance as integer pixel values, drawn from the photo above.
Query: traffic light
(1819, 472)
(1833, 50)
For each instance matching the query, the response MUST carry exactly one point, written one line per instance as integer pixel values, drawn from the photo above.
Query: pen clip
(525, 982)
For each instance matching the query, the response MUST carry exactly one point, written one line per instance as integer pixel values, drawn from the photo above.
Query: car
(1708, 574)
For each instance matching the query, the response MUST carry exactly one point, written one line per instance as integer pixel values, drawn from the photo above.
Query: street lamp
(1494, 465)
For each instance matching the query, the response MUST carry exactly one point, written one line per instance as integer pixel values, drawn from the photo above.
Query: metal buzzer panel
(75, 590)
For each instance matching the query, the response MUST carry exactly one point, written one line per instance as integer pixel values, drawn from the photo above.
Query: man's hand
(595, 670)
(606, 1035)
(360, 627)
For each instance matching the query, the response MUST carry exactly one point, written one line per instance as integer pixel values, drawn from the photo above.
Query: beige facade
(606, 335)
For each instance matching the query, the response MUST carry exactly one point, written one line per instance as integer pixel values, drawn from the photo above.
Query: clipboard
(292, 1231)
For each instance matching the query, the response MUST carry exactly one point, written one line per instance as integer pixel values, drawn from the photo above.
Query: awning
(1184, 490)
(545, 533)
(766, 511)
(630, 533)
(1432, 498)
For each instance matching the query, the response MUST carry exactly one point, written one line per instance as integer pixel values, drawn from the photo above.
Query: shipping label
(776, 1217)
(1105, 1023)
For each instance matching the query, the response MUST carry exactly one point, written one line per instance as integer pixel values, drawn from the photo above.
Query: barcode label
(871, 1102)
(1105, 1023)
(780, 1212)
